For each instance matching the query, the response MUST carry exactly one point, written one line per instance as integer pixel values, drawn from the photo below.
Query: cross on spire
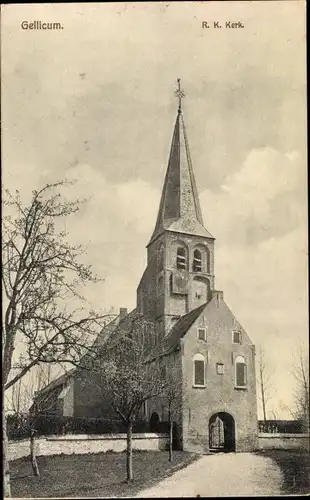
(179, 93)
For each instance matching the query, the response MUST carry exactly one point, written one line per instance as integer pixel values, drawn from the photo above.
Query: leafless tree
(173, 395)
(128, 379)
(42, 274)
(264, 381)
(301, 374)
(19, 396)
(15, 402)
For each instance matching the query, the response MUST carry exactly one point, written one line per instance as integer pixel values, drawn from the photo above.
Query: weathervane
(179, 93)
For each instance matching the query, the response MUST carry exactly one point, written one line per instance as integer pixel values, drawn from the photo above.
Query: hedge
(18, 426)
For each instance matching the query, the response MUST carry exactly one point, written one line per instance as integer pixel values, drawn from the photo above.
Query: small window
(181, 258)
(240, 372)
(199, 371)
(236, 337)
(160, 259)
(159, 328)
(197, 262)
(160, 287)
(220, 368)
(207, 260)
(202, 333)
(145, 409)
(155, 337)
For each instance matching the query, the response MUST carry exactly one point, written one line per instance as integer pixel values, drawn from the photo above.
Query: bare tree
(301, 374)
(128, 379)
(173, 394)
(42, 274)
(19, 396)
(264, 381)
(15, 401)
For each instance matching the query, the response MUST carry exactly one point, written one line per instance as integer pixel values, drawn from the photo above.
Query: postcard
(154, 249)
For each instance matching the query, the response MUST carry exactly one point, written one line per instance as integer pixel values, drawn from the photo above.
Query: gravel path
(231, 474)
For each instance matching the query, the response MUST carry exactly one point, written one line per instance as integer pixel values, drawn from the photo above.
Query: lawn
(295, 468)
(94, 475)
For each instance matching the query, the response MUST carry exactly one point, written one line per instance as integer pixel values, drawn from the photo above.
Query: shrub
(18, 426)
(282, 426)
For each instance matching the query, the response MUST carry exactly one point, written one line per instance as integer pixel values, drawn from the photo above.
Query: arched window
(181, 258)
(240, 372)
(160, 259)
(207, 260)
(197, 262)
(199, 368)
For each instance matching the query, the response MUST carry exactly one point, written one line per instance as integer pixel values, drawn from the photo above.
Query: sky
(95, 102)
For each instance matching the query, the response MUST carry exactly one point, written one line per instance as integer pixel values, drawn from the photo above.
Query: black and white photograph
(154, 249)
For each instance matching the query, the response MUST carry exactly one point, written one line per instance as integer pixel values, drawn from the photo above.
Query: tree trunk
(264, 403)
(6, 466)
(262, 388)
(34, 463)
(170, 438)
(129, 451)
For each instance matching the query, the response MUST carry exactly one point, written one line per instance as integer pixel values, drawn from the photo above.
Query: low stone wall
(277, 441)
(81, 444)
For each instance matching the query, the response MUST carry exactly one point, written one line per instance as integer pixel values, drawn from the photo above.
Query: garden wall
(83, 444)
(277, 441)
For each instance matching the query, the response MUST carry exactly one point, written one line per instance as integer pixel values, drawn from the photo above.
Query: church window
(156, 337)
(207, 260)
(236, 337)
(160, 259)
(202, 333)
(197, 262)
(145, 409)
(240, 372)
(199, 367)
(160, 282)
(220, 368)
(181, 258)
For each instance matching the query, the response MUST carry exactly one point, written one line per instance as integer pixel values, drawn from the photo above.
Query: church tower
(180, 255)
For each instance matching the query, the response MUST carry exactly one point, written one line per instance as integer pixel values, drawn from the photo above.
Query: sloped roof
(59, 381)
(171, 341)
(124, 324)
(106, 331)
(179, 209)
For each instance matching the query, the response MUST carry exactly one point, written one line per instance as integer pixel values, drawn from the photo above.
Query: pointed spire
(179, 208)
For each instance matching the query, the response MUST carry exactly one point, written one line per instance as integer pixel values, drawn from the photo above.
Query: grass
(295, 468)
(94, 475)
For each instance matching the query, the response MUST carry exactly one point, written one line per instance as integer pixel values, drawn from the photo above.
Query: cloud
(115, 224)
(258, 218)
(265, 198)
(113, 211)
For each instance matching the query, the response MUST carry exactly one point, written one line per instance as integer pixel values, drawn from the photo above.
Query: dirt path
(231, 474)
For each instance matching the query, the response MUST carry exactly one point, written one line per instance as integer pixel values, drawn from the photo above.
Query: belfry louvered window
(181, 258)
(197, 262)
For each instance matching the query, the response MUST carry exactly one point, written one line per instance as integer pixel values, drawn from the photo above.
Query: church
(194, 329)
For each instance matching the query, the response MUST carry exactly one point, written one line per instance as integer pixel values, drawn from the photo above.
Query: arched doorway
(154, 422)
(222, 432)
